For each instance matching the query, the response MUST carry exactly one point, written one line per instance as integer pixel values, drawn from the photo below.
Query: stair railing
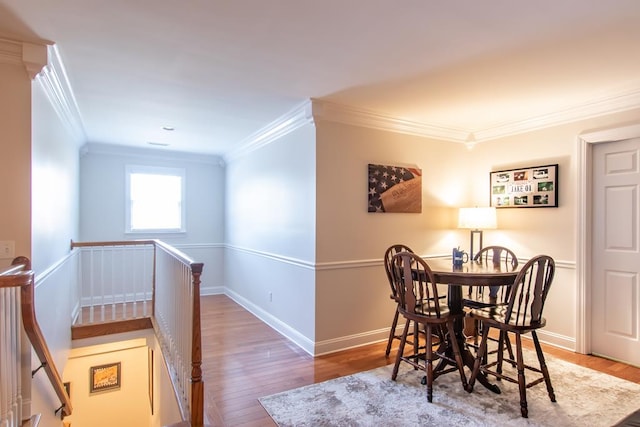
(18, 312)
(166, 288)
(176, 298)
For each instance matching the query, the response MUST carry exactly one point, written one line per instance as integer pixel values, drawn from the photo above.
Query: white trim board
(585, 143)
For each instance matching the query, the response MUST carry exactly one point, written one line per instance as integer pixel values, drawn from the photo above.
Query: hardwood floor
(244, 359)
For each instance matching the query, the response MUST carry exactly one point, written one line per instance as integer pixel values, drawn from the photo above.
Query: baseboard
(287, 331)
(351, 341)
(556, 340)
(212, 290)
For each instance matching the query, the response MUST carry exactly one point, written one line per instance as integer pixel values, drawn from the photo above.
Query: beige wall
(346, 231)
(127, 406)
(352, 303)
(15, 158)
(551, 231)
(352, 296)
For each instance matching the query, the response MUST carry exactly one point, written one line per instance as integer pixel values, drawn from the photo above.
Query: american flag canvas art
(395, 189)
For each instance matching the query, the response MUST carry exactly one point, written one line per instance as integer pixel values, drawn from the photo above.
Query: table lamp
(477, 219)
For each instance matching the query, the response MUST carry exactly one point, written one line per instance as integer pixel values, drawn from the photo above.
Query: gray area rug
(584, 398)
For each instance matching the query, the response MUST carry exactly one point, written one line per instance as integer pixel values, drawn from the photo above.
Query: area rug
(584, 398)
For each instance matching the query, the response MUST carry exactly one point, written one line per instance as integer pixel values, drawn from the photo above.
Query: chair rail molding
(585, 143)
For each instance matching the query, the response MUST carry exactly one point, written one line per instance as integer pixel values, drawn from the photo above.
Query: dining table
(471, 273)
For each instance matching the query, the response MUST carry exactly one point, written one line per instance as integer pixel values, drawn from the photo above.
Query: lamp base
(473, 237)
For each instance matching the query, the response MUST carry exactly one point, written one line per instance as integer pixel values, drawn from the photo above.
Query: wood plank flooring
(244, 359)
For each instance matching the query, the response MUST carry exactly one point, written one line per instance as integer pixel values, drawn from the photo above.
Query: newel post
(197, 386)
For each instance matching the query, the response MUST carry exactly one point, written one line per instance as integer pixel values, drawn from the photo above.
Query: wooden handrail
(21, 275)
(114, 243)
(19, 264)
(168, 248)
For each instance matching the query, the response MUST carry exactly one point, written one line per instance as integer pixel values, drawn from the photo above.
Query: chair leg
(429, 362)
(477, 331)
(403, 340)
(501, 343)
(543, 366)
(507, 341)
(522, 384)
(482, 350)
(416, 337)
(392, 332)
(456, 353)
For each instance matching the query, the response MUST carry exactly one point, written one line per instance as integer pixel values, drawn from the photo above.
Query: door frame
(584, 223)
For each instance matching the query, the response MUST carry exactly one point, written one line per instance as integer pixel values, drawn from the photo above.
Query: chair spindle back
(388, 255)
(497, 255)
(529, 291)
(417, 288)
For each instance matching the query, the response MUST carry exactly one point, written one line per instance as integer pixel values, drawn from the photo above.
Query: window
(155, 200)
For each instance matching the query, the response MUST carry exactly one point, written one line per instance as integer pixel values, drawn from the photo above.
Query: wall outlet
(7, 249)
(270, 296)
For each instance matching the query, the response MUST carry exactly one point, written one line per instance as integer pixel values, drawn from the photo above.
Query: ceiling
(219, 71)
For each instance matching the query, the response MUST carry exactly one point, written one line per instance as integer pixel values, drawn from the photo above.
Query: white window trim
(155, 170)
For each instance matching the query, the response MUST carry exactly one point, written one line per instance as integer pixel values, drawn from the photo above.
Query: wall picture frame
(532, 187)
(394, 189)
(104, 377)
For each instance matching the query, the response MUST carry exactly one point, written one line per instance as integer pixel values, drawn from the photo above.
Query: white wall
(102, 202)
(271, 233)
(54, 192)
(54, 222)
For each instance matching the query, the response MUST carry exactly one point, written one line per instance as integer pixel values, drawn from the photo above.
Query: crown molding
(55, 84)
(333, 112)
(618, 133)
(314, 110)
(299, 116)
(10, 52)
(145, 153)
(33, 56)
(599, 107)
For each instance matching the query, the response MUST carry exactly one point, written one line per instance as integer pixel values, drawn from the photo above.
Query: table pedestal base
(468, 360)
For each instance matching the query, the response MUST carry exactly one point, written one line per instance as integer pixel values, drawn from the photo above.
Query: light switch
(7, 249)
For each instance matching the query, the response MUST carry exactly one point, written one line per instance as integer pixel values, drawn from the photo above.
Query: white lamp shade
(477, 218)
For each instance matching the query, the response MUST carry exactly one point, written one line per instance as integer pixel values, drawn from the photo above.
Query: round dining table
(472, 273)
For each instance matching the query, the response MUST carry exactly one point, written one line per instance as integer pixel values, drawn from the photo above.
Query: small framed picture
(104, 377)
(535, 187)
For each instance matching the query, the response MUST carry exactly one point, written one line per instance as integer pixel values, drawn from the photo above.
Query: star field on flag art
(381, 179)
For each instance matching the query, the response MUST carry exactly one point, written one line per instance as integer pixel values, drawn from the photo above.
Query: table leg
(454, 301)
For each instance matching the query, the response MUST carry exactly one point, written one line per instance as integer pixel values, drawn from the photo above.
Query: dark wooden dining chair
(522, 314)
(388, 255)
(419, 302)
(489, 296)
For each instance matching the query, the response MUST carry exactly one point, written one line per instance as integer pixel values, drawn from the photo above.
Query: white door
(615, 274)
